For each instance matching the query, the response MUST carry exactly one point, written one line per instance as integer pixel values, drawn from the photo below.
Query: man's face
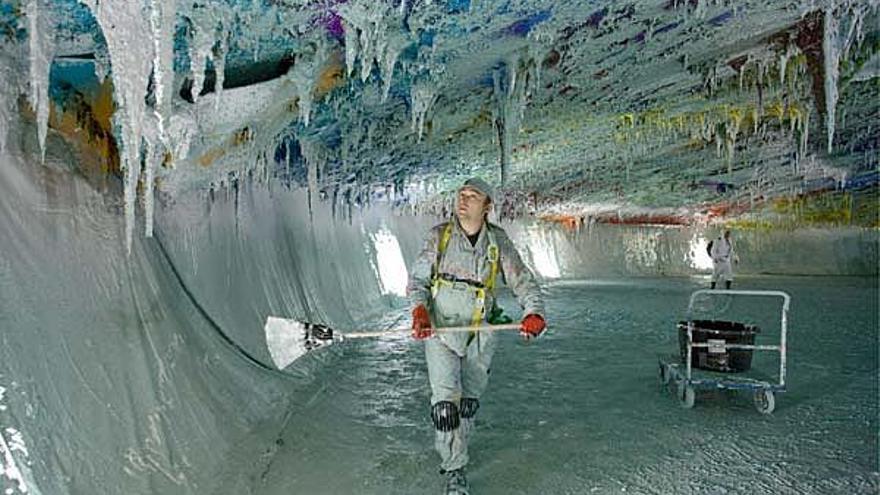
(472, 204)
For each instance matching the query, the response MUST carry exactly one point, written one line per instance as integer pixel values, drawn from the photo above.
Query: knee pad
(444, 414)
(469, 407)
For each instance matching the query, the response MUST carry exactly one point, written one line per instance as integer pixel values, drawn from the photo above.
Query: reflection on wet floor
(581, 410)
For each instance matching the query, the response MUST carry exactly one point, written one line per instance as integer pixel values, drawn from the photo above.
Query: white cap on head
(480, 185)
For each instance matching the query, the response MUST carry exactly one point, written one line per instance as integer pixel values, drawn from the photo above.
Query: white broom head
(288, 340)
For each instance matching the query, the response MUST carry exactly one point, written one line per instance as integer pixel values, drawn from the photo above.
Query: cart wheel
(765, 402)
(686, 395)
(664, 374)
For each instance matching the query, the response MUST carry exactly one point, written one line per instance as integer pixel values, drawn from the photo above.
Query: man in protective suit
(721, 251)
(452, 284)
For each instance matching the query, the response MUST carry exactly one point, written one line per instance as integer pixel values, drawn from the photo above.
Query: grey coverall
(458, 363)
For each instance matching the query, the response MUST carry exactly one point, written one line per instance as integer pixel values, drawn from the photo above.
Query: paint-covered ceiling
(575, 107)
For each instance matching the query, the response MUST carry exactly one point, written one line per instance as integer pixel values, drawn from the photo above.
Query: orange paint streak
(101, 129)
(332, 75)
(85, 122)
(569, 222)
(572, 222)
(209, 157)
(648, 219)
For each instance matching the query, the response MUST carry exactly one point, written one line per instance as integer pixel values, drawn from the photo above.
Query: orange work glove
(532, 326)
(421, 323)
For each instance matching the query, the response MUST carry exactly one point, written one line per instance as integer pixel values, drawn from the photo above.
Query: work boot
(456, 483)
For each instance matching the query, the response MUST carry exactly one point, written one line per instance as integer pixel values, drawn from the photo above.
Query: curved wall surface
(112, 381)
(612, 250)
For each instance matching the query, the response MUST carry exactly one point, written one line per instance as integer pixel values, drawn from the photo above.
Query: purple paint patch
(519, 28)
(523, 26)
(596, 17)
(640, 38)
(327, 18)
(333, 23)
(721, 19)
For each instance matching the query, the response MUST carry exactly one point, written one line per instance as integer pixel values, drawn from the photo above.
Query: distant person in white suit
(721, 251)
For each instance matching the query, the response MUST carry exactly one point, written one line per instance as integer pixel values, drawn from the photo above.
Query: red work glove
(421, 323)
(532, 326)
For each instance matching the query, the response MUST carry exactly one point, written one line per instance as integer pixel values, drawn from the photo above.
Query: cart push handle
(786, 299)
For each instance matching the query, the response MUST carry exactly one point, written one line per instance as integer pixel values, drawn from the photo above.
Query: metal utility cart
(721, 348)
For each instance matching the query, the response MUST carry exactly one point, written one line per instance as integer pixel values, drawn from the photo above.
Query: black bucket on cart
(718, 332)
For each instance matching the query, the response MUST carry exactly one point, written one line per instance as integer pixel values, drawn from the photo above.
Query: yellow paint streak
(817, 209)
(749, 224)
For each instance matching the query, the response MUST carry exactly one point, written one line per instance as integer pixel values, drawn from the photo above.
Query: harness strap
(441, 249)
(493, 266)
(488, 284)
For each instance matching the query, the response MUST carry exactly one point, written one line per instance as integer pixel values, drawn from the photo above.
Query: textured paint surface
(212, 163)
(593, 108)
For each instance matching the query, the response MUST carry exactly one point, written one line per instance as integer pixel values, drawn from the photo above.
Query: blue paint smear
(410, 53)
(400, 91)
(523, 26)
(426, 38)
(821, 184)
(181, 44)
(721, 19)
(10, 27)
(456, 30)
(487, 81)
(77, 74)
(457, 6)
(290, 167)
(75, 17)
(862, 181)
(666, 28)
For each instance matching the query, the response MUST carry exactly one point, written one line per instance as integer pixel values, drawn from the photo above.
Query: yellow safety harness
(488, 285)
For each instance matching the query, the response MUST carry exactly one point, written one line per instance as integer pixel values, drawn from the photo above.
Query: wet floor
(581, 410)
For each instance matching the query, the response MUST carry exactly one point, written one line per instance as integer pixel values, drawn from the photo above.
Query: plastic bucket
(718, 333)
